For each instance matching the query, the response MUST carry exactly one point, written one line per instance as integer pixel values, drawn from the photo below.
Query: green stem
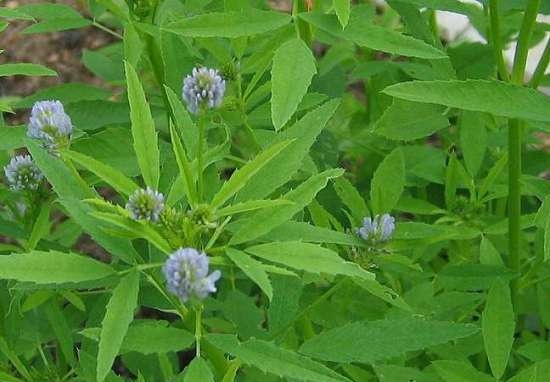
(198, 330)
(515, 146)
(495, 40)
(107, 30)
(200, 154)
(541, 67)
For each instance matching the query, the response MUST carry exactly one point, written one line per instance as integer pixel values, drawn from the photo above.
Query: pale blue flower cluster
(22, 174)
(203, 87)
(377, 229)
(50, 124)
(186, 272)
(145, 204)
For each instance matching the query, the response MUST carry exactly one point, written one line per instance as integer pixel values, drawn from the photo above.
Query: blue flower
(377, 229)
(186, 272)
(145, 204)
(22, 173)
(50, 124)
(203, 87)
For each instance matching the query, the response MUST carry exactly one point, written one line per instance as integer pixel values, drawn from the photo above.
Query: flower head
(22, 174)
(379, 228)
(50, 124)
(186, 272)
(203, 87)
(145, 204)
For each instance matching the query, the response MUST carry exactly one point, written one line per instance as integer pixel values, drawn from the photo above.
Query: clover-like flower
(377, 229)
(50, 124)
(22, 174)
(145, 204)
(203, 87)
(186, 272)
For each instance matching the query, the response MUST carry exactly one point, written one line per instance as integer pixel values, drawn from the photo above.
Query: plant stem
(198, 330)
(541, 67)
(495, 39)
(200, 156)
(515, 146)
(107, 30)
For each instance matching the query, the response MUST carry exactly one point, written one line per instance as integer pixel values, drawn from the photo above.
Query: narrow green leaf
(41, 227)
(291, 74)
(498, 327)
(271, 359)
(388, 182)
(25, 69)
(459, 371)
(111, 175)
(198, 370)
(57, 25)
(143, 130)
(252, 269)
(493, 175)
(473, 140)
(247, 22)
(251, 205)
(118, 316)
(343, 10)
(547, 239)
(240, 177)
(52, 267)
(61, 329)
(186, 174)
(406, 121)
(497, 98)
(265, 220)
(183, 122)
(380, 340)
(309, 258)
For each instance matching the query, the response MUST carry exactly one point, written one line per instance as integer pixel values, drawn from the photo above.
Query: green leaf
(407, 121)
(343, 10)
(498, 327)
(473, 140)
(25, 69)
(459, 371)
(57, 25)
(379, 340)
(183, 122)
(301, 231)
(383, 292)
(351, 198)
(186, 174)
(538, 372)
(388, 182)
(133, 46)
(247, 22)
(252, 269)
(66, 93)
(291, 74)
(284, 166)
(112, 176)
(309, 258)
(14, 14)
(61, 329)
(41, 227)
(497, 98)
(265, 220)
(274, 360)
(149, 337)
(363, 32)
(251, 205)
(198, 370)
(143, 130)
(118, 316)
(240, 177)
(52, 267)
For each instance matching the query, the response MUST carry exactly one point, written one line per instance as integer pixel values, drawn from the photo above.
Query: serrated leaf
(252, 269)
(379, 340)
(494, 97)
(291, 74)
(25, 69)
(498, 326)
(118, 316)
(265, 220)
(112, 176)
(289, 160)
(274, 360)
(240, 177)
(143, 130)
(247, 22)
(198, 370)
(406, 121)
(52, 267)
(309, 258)
(388, 182)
